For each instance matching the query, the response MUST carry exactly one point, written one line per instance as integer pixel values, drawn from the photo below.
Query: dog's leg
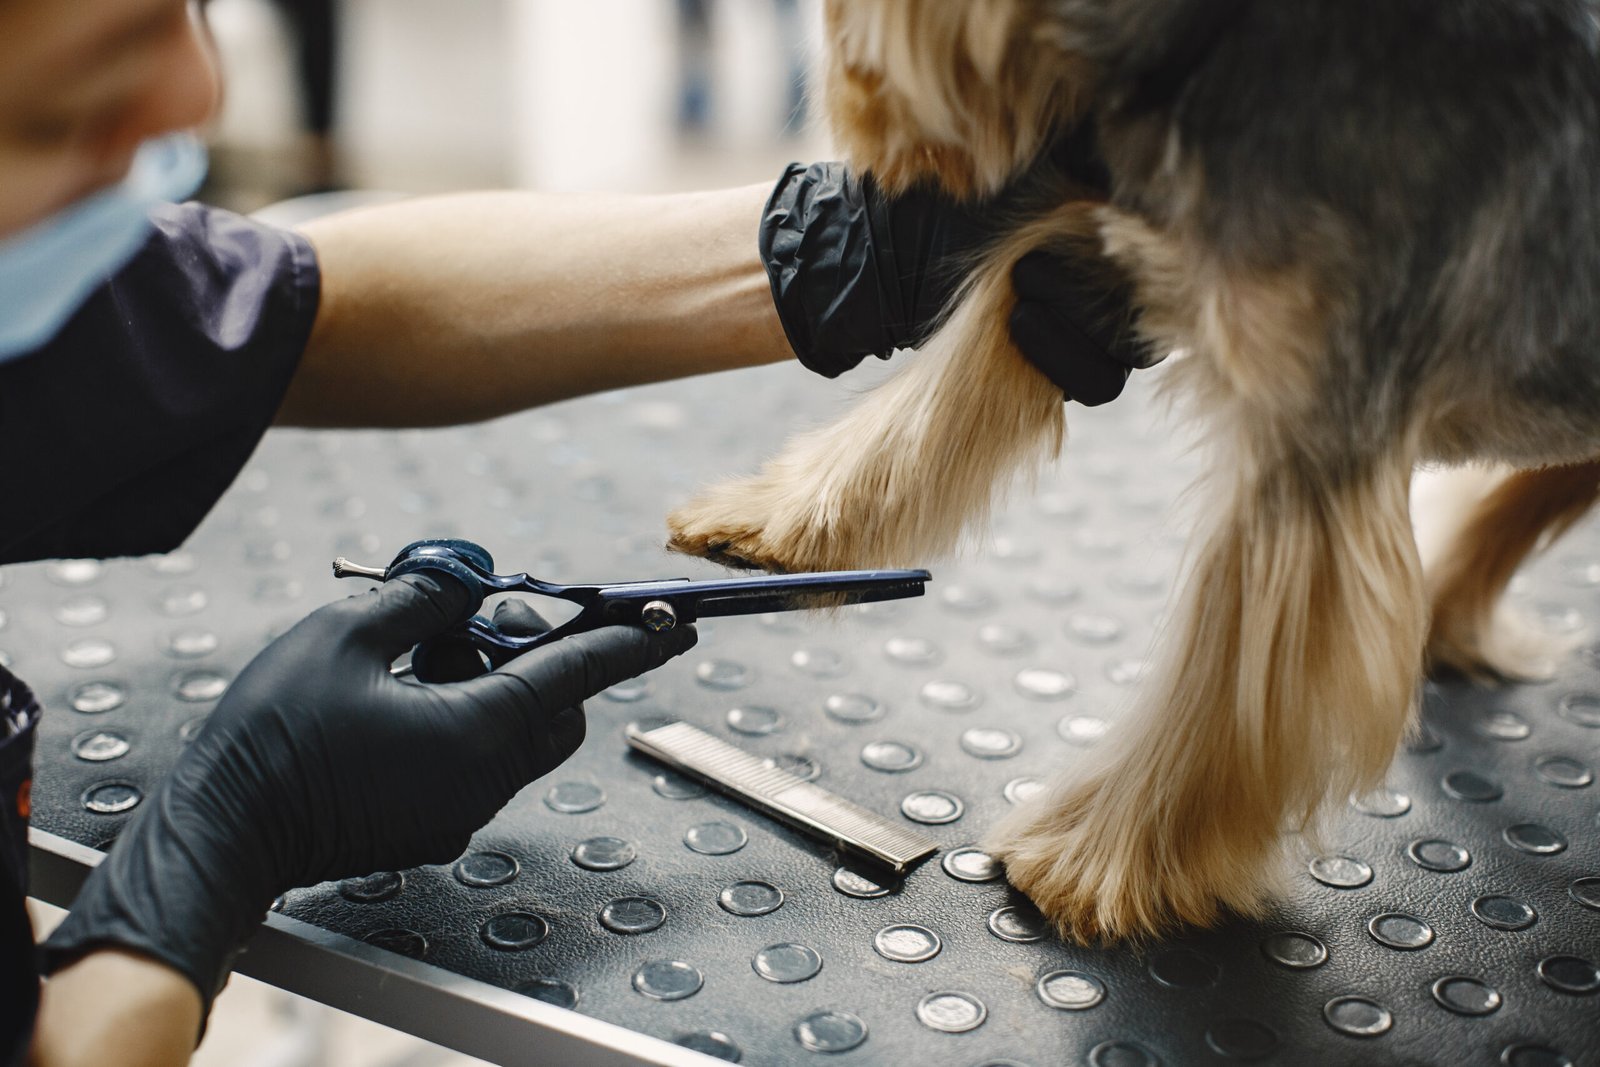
(917, 461)
(1287, 680)
(1473, 633)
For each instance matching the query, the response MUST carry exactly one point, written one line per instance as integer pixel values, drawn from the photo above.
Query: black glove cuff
(159, 895)
(816, 243)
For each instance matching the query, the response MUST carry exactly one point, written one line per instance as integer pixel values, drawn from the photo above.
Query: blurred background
(371, 97)
(419, 96)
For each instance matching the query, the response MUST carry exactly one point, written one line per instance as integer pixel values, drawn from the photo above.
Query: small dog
(1373, 226)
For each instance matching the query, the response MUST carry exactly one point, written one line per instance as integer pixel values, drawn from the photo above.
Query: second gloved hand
(319, 764)
(855, 272)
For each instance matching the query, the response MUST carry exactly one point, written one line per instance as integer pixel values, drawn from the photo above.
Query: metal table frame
(428, 1002)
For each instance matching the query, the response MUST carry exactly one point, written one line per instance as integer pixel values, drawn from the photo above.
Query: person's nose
(183, 94)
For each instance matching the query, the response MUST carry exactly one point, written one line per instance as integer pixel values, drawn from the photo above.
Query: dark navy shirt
(115, 440)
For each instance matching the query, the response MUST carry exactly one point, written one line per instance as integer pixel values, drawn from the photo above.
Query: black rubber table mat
(1452, 919)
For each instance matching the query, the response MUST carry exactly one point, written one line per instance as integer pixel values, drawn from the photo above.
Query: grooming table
(616, 914)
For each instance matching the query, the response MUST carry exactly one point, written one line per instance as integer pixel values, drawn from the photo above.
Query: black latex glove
(855, 272)
(320, 764)
(1075, 329)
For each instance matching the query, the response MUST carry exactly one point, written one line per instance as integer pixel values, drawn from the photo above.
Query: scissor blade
(800, 599)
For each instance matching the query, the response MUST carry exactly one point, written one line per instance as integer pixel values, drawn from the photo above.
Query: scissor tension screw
(658, 615)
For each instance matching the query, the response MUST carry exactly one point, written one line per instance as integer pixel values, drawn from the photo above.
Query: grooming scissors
(656, 605)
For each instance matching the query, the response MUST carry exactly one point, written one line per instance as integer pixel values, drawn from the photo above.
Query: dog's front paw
(746, 523)
(1101, 869)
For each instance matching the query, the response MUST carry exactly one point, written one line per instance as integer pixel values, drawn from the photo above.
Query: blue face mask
(49, 270)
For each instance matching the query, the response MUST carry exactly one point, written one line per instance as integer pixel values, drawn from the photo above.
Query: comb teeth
(807, 807)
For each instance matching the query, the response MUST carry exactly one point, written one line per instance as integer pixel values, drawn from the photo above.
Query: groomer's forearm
(116, 1007)
(457, 308)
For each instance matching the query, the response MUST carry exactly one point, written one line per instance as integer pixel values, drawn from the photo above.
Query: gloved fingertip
(517, 618)
(1100, 383)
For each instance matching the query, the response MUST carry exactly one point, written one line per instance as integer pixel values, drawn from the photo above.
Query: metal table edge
(417, 998)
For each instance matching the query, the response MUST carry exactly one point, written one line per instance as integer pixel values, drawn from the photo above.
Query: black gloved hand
(320, 764)
(855, 272)
(1077, 330)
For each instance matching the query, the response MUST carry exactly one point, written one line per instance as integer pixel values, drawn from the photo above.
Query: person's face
(82, 83)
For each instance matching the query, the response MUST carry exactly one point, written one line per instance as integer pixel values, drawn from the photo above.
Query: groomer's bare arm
(457, 308)
(116, 1007)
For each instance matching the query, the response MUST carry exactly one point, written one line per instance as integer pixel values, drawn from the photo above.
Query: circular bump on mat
(1533, 839)
(1443, 857)
(802, 767)
(550, 991)
(754, 720)
(830, 1031)
(787, 963)
(1563, 772)
(1523, 1055)
(1183, 968)
(675, 786)
(1472, 787)
(373, 888)
(819, 663)
(1001, 639)
(857, 885)
(1082, 730)
(1241, 1039)
(197, 687)
(912, 651)
(604, 853)
(907, 943)
(88, 652)
(971, 864)
(990, 743)
(100, 746)
(633, 915)
(111, 798)
(1070, 990)
(1466, 996)
(1570, 974)
(713, 1043)
(891, 757)
(513, 931)
(1018, 923)
(1042, 683)
(1358, 1016)
(1586, 891)
(1501, 725)
(715, 838)
(629, 692)
(1503, 913)
(1382, 803)
(951, 1012)
(97, 698)
(723, 674)
(932, 807)
(1122, 1054)
(1581, 709)
(947, 695)
(1340, 872)
(668, 979)
(480, 869)
(853, 708)
(1295, 950)
(1400, 931)
(749, 899)
(1020, 789)
(574, 798)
